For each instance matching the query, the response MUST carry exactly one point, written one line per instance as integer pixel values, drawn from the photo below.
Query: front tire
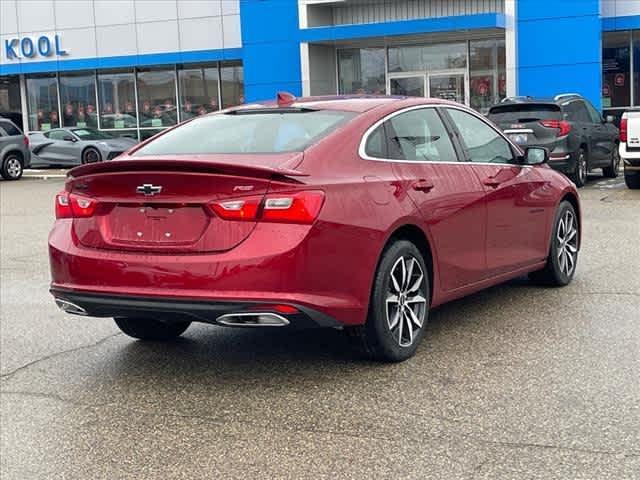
(579, 176)
(12, 167)
(612, 170)
(150, 329)
(399, 306)
(563, 253)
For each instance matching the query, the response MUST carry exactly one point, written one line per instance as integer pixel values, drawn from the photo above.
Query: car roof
(349, 103)
(560, 99)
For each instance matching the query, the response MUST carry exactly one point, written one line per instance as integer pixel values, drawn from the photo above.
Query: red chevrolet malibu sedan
(361, 213)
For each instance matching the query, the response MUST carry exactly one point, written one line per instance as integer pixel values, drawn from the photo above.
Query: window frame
(362, 149)
(517, 152)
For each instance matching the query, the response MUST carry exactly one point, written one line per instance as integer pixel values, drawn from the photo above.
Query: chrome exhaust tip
(251, 319)
(69, 307)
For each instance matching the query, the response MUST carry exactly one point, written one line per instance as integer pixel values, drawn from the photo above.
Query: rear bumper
(172, 309)
(275, 265)
(563, 162)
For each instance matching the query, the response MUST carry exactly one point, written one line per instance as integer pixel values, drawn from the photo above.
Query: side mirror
(536, 156)
(68, 138)
(610, 119)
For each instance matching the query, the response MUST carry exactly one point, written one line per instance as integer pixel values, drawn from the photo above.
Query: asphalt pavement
(516, 382)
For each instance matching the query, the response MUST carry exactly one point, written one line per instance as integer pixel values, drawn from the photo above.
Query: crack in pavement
(9, 375)
(220, 421)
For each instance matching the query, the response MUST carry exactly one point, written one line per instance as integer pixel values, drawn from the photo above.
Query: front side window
(481, 142)
(58, 134)
(419, 135)
(91, 134)
(247, 132)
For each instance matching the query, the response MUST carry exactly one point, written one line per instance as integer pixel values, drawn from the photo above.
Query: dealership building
(134, 67)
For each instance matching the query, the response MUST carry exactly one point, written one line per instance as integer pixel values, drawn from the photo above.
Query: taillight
(70, 205)
(239, 209)
(563, 127)
(25, 139)
(623, 130)
(299, 207)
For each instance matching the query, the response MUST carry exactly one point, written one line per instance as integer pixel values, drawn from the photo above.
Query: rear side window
(481, 142)
(247, 132)
(593, 113)
(376, 143)
(576, 111)
(524, 112)
(417, 135)
(9, 128)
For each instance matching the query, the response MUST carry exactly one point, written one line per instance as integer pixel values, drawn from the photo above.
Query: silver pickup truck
(630, 147)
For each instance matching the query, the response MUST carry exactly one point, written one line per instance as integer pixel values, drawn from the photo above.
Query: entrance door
(448, 86)
(407, 85)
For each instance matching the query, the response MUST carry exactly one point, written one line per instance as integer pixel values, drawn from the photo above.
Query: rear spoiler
(203, 166)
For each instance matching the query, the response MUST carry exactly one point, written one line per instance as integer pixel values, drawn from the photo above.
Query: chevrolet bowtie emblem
(148, 190)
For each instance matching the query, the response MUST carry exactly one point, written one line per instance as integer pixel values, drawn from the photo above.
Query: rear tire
(399, 306)
(612, 170)
(12, 167)
(563, 253)
(632, 181)
(579, 176)
(91, 155)
(150, 329)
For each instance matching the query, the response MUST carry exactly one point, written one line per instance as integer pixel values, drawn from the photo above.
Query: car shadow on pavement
(214, 352)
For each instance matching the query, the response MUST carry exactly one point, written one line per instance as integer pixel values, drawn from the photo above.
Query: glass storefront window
(116, 92)
(42, 99)
(636, 67)
(198, 91)
(616, 66)
(78, 99)
(487, 82)
(428, 58)
(157, 97)
(10, 106)
(361, 70)
(232, 85)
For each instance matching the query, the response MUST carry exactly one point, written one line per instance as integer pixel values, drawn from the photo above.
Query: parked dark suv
(14, 150)
(578, 137)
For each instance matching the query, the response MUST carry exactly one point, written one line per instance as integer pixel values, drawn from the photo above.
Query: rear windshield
(247, 132)
(524, 112)
(10, 128)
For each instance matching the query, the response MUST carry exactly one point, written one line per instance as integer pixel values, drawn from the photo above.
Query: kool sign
(27, 47)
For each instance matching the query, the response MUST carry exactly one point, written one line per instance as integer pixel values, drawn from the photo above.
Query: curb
(42, 177)
(43, 174)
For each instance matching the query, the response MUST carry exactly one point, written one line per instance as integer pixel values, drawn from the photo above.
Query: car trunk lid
(162, 205)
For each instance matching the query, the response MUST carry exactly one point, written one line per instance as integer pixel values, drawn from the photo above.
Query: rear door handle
(422, 185)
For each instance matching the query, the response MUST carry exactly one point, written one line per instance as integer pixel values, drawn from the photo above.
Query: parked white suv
(630, 147)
